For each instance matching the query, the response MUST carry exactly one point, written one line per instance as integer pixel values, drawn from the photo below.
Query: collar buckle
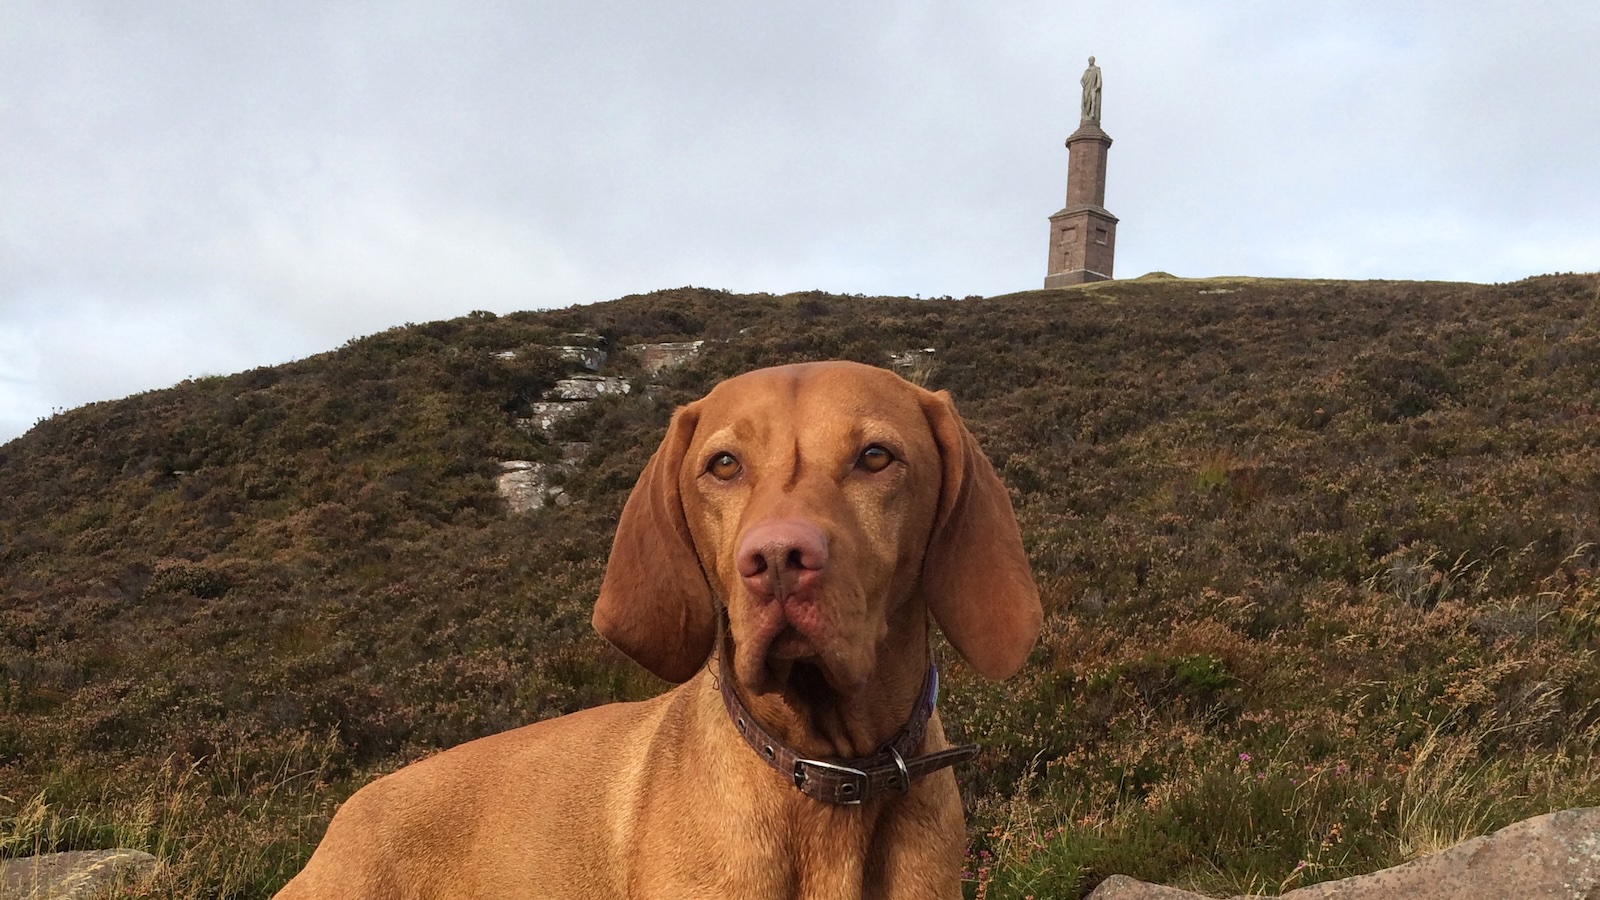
(852, 784)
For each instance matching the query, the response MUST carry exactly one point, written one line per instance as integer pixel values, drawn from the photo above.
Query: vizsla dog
(800, 524)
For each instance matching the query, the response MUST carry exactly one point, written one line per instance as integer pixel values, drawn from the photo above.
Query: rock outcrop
(1121, 887)
(75, 875)
(527, 485)
(1549, 857)
(657, 358)
(906, 359)
(588, 387)
(569, 397)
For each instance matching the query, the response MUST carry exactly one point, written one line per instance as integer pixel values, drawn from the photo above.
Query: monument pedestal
(1082, 240)
(1083, 235)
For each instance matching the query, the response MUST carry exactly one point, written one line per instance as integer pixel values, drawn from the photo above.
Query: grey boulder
(1549, 857)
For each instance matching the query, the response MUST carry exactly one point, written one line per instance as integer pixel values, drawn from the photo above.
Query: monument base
(1068, 279)
(1083, 242)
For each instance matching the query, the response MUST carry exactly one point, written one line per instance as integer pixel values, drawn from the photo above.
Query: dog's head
(816, 500)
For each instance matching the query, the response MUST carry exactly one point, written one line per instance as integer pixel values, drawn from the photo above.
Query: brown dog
(801, 524)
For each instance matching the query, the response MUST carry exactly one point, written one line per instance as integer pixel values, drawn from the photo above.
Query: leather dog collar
(846, 782)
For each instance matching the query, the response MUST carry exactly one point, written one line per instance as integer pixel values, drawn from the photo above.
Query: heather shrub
(1318, 561)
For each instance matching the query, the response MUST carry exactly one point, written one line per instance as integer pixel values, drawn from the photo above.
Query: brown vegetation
(1319, 561)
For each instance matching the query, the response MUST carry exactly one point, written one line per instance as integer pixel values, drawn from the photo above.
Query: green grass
(1248, 823)
(221, 826)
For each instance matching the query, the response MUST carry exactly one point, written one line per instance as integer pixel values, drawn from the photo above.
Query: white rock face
(543, 415)
(527, 485)
(569, 397)
(589, 387)
(657, 358)
(591, 358)
(905, 359)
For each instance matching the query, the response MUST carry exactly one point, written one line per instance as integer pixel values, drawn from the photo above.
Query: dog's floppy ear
(655, 603)
(975, 575)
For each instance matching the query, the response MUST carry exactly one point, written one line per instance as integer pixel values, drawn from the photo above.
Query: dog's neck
(815, 719)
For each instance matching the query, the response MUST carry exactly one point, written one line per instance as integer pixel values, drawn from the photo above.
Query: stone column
(1083, 235)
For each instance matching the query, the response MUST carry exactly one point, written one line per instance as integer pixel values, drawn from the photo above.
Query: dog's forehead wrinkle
(735, 434)
(846, 435)
(796, 465)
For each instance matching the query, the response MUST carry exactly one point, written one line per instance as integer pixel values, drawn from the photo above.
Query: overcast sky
(199, 188)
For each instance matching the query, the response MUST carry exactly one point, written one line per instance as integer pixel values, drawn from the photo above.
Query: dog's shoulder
(539, 754)
(539, 785)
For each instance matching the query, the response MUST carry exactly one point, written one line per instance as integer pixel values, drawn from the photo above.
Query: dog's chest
(796, 848)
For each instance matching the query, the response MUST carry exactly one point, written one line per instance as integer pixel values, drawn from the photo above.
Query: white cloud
(63, 353)
(236, 184)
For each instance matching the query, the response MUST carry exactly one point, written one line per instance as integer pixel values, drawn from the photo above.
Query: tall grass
(1376, 771)
(220, 827)
(1242, 825)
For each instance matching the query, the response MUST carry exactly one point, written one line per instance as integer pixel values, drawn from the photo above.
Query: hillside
(1318, 558)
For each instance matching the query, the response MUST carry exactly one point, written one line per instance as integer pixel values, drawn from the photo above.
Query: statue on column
(1090, 108)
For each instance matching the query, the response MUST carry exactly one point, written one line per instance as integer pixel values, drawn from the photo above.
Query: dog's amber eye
(875, 459)
(723, 466)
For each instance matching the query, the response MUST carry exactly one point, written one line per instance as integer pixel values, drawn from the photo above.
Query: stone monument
(1083, 235)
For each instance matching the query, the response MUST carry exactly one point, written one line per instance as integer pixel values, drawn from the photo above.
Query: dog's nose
(782, 557)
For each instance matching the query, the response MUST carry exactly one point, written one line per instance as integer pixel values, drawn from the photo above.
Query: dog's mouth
(802, 678)
(769, 657)
(790, 645)
(780, 653)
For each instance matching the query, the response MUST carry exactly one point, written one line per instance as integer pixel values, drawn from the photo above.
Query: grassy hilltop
(1319, 561)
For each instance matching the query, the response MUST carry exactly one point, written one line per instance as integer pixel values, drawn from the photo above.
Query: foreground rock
(76, 875)
(1551, 856)
(1121, 887)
